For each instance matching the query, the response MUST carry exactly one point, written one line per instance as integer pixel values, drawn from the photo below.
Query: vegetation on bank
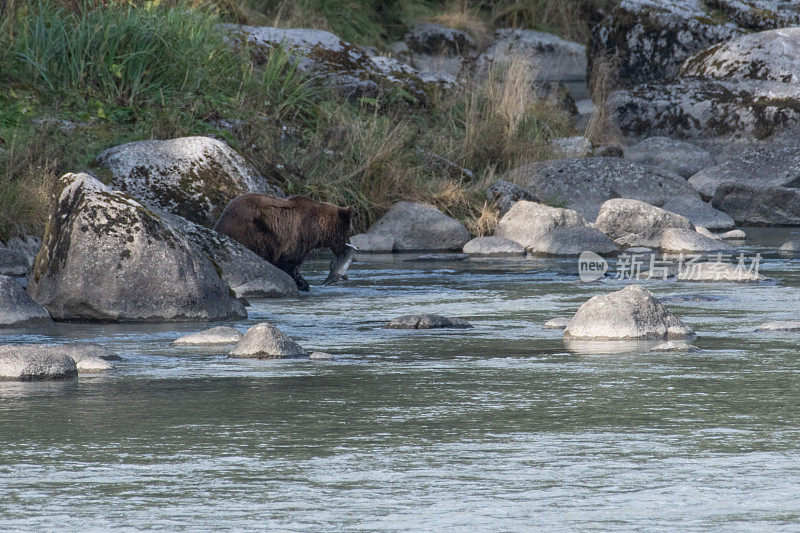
(81, 76)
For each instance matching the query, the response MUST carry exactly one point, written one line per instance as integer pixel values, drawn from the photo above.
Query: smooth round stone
(427, 321)
(265, 341)
(493, 246)
(733, 235)
(790, 247)
(556, 323)
(93, 365)
(676, 346)
(211, 337)
(321, 356)
(780, 325)
(86, 350)
(35, 362)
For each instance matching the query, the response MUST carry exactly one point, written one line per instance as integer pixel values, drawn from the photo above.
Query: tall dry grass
(602, 128)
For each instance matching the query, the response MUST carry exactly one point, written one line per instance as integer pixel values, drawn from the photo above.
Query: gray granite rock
(265, 341)
(677, 156)
(421, 227)
(17, 308)
(210, 337)
(631, 313)
(427, 321)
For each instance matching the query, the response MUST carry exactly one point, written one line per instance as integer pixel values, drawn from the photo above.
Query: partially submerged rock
(674, 155)
(676, 347)
(780, 325)
(632, 313)
(192, 177)
(584, 184)
(265, 341)
(631, 223)
(493, 247)
(35, 362)
(675, 240)
(421, 227)
(427, 321)
(321, 356)
(105, 257)
(210, 337)
(557, 323)
(551, 230)
(790, 247)
(373, 243)
(17, 308)
(719, 271)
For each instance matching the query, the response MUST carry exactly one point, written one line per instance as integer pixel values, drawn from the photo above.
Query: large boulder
(676, 240)
(35, 362)
(247, 273)
(750, 206)
(192, 177)
(421, 227)
(373, 243)
(552, 231)
(759, 168)
(584, 184)
(324, 57)
(694, 107)
(17, 308)
(550, 57)
(632, 313)
(699, 212)
(265, 341)
(633, 223)
(653, 38)
(674, 155)
(106, 257)
(772, 55)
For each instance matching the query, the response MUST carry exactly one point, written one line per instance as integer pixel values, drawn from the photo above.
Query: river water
(503, 427)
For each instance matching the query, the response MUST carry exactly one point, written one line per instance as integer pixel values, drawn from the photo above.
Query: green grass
(158, 70)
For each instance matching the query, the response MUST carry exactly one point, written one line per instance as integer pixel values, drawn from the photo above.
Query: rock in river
(265, 341)
(675, 240)
(210, 337)
(17, 308)
(584, 184)
(549, 230)
(493, 247)
(632, 313)
(105, 257)
(192, 177)
(780, 325)
(421, 227)
(427, 321)
(750, 206)
(35, 362)
(631, 223)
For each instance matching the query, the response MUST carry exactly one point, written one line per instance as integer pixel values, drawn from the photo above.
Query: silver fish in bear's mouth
(339, 265)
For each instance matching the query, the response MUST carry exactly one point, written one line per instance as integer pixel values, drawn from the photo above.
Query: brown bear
(285, 231)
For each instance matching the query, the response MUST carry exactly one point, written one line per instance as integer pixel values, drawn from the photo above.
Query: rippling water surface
(503, 427)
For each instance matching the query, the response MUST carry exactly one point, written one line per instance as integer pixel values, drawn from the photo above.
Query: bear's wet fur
(285, 230)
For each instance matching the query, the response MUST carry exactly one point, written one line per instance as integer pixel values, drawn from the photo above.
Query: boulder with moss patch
(654, 37)
(193, 177)
(342, 66)
(105, 257)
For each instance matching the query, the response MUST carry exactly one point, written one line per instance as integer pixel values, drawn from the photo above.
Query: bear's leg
(292, 267)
